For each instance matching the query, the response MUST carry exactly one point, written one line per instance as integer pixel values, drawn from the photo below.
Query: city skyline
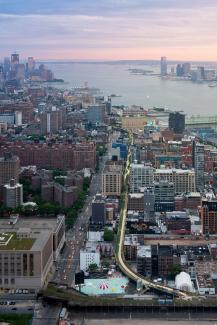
(110, 30)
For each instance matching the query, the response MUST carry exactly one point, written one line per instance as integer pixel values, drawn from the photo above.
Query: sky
(109, 29)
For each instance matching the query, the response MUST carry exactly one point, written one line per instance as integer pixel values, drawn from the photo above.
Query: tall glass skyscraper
(163, 66)
(199, 165)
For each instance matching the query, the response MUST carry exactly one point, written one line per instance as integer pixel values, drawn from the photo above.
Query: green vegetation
(108, 235)
(37, 137)
(51, 208)
(16, 319)
(16, 243)
(60, 180)
(59, 172)
(101, 150)
(175, 269)
(93, 267)
(105, 264)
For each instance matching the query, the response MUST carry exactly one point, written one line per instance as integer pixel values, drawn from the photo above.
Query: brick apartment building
(208, 216)
(136, 202)
(24, 106)
(57, 156)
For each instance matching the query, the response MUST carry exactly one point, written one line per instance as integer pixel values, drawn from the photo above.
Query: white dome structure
(183, 282)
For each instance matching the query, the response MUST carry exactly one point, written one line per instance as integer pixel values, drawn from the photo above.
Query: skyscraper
(199, 165)
(7, 65)
(14, 61)
(9, 168)
(177, 122)
(13, 194)
(31, 64)
(163, 66)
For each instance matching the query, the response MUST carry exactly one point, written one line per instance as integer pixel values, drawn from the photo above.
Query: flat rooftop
(10, 241)
(50, 224)
(26, 234)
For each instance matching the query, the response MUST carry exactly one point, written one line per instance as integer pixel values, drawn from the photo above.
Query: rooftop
(173, 170)
(10, 241)
(144, 251)
(34, 224)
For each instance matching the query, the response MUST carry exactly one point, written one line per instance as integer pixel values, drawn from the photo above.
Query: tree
(175, 269)
(93, 267)
(105, 264)
(86, 184)
(108, 235)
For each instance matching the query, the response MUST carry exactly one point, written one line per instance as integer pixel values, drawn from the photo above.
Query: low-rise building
(183, 179)
(130, 247)
(205, 284)
(144, 260)
(28, 248)
(89, 255)
(136, 201)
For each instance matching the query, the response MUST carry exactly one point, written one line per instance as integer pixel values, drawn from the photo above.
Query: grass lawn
(18, 243)
(15, 319)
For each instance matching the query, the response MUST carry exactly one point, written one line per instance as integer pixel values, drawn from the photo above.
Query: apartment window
(25, 264)
(31, 264)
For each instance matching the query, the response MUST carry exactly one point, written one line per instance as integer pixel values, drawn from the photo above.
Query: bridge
(198, 121)
(123, 265)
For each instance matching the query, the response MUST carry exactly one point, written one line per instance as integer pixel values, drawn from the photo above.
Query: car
(12, 303)
(14, 308)
(30, 308)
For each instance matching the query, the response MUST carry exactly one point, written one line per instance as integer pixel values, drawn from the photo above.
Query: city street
(68, 263)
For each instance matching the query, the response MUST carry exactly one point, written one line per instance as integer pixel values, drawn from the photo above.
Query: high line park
(120, 259)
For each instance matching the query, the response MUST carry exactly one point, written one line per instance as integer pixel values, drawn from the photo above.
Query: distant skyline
(109, 29)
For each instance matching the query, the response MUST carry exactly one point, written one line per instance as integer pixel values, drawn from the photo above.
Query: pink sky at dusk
(109, 29)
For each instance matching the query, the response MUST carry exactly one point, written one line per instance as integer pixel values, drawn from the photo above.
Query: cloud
(47, 27)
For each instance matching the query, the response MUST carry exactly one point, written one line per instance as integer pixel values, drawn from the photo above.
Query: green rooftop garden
(15, 243)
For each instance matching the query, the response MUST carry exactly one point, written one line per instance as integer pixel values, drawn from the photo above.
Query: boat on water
(212, 85)
(114, 95)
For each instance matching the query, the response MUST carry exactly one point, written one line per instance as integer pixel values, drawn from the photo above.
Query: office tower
(20, 71)
(9, 168)
(186, 68)
(179, 70)
(177, 122)
(164, 196)
(200, 73)
(163, 66)
(141, 176)
(31, 64)
(7, 65)
(13, 194)
(112, 180)
(51, 121)
(208, 216)
(96, 113)
(183, 70)
(14, 61)
(199, 165)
